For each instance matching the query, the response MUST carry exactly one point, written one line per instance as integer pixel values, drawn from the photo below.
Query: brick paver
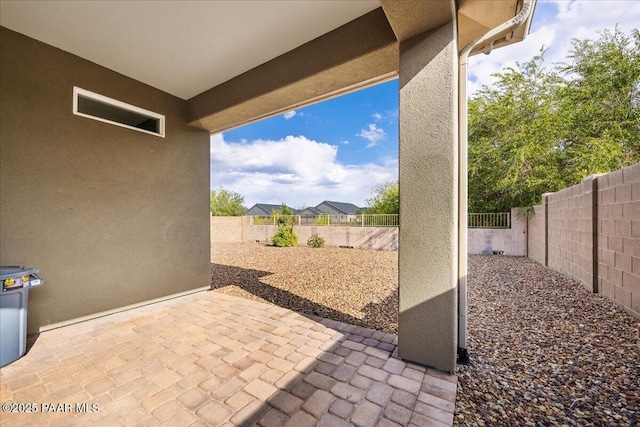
(216, 360)
(318, 403)
(341, 408)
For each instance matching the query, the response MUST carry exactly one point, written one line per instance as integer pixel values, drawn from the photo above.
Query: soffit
(181, 47)
(409, 18)
(477, 17)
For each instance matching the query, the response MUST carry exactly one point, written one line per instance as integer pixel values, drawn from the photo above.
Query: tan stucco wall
(240, 229)
(512, 241)
(228, 229)
(110, 216)
(428, 252)
(376, 238)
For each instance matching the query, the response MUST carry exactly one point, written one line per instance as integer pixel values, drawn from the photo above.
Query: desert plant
(315, 241)
(284, 237)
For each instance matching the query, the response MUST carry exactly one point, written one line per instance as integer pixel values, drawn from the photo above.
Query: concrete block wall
(619, 237)
(512, 241)
(570, 216)
(591, 232)
(537, 236)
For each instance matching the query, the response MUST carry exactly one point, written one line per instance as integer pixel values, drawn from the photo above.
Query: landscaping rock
(545, 351)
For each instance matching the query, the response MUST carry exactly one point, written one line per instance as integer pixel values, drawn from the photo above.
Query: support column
(428, 249)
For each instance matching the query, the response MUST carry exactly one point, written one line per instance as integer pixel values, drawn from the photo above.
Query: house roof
(266, 207)
(312, 209)
(346, 208)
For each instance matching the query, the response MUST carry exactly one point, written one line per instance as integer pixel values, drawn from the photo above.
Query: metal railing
(476, 220)
(360, 220)
(490, 220)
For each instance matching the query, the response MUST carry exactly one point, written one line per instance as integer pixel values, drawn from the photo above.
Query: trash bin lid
(7, 271)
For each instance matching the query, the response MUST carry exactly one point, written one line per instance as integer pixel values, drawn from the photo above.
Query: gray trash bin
(15, 283)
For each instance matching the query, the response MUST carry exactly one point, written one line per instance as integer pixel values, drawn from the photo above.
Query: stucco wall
(110, 216)
(512, 241)
(228, 229)
(238, 229)
(428, 148)
(593, 235)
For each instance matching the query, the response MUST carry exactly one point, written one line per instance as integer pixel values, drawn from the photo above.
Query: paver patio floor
(214, 359)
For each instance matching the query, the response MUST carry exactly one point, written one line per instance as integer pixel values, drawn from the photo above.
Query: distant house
(309, 211)
(338, 208)
(263, 209)
(326, 207)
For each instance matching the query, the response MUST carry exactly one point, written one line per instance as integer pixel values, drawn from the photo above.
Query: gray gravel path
(543, 350)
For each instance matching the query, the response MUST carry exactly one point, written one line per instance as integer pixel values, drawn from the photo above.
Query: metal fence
(490, 220)
(361, 220)
(476, 220)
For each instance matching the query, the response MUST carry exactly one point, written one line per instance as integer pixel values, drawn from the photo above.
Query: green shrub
(315, 241)
(284, 237)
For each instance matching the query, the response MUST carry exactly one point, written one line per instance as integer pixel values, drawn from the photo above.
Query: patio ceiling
(180, 47)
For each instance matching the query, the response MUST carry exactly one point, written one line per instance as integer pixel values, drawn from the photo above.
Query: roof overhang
(237, 62)
(478, 17)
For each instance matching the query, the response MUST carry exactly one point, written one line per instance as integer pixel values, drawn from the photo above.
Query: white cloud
(570, 19)
(345, 142)
(373, 134)
(294, 170)
(377, 116)
(289, 114)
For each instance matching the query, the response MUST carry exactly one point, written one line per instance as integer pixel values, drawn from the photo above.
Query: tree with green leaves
(224, 202)
(541, 129)
(601, 104)
(385, 199)
(514, 130)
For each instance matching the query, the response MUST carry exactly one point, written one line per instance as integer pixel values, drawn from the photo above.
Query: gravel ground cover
(544, 351)
(354, 286)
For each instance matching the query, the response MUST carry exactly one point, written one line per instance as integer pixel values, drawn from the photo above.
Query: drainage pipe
(463, 135)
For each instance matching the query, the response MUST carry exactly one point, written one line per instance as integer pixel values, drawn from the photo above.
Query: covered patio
(106, 112)
(213, 359)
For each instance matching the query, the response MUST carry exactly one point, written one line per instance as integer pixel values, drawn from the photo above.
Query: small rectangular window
(108, 110)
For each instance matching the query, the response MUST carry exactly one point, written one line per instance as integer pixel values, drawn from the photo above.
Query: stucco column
(428, 248)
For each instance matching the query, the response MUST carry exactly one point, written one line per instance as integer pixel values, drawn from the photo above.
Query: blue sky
(335, 150)
(341, 148)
